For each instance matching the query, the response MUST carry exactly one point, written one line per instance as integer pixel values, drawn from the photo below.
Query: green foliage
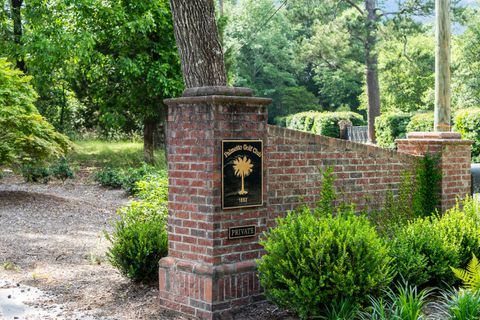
(427, 194)
(326, 204)
(26, 138)
(124, 178)
(407, 303)
(406, 74)
(35, 173)
(110, 177)
(391, 126)
(139, 239)
(470, 276)
(467, 123)
(423, 254)
(114, 154)
(344, 309)
(396, 210)
(61, 170)
(323, 123)
(459, 305)
(311, 261)
(421, 122)
(426, 248)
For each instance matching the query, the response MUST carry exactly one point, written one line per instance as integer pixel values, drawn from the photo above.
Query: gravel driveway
(51, 239)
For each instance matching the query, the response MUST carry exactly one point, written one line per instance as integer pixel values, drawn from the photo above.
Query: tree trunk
(198, 43)
(16, 7)
(220, 7)
(371, 67)
(148, 140)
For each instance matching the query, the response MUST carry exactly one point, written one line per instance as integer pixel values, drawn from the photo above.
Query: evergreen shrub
(467, 123)
(322, 123)
(313, 260)
(421, 122)
(391, 126)
(139, 239)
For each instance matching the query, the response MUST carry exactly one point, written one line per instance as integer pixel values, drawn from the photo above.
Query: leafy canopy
(26, 137)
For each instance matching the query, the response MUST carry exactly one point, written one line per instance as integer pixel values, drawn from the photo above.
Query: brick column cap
(435, 137)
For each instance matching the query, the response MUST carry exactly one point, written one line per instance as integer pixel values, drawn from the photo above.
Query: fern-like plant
(471, 275)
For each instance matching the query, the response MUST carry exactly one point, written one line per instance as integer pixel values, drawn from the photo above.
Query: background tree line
(106, 66)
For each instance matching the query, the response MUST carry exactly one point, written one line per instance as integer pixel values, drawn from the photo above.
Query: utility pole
(442, 66)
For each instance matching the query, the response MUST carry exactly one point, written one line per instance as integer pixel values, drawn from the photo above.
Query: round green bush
(391, 126)
(426, 248)
(311, 262)
(421, 122)
(467, 123)
(139, 240)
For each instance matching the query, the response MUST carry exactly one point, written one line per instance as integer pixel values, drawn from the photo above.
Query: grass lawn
(98, 153)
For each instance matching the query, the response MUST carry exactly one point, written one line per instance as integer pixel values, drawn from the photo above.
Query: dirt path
(51, 238)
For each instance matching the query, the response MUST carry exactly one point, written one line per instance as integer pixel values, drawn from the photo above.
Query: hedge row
(467, 123)
(324, 123)
(391, 126)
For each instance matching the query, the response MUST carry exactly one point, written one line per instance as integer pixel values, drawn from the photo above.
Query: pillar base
(206, 291)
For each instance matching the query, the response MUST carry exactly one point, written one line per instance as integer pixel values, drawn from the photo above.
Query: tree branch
(355, 6)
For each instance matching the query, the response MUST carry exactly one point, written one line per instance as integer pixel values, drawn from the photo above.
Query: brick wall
(363, 173)
(455, 161)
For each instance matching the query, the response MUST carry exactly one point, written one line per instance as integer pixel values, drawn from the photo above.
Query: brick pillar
(455, 161)
(206, 274)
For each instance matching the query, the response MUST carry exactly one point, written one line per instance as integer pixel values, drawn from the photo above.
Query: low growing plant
(470, 276)
(459, 305)
(405, 303)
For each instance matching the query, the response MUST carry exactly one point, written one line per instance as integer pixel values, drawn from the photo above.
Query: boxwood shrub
(421, 122)
(313, 260)
(467, 123)
(391, 126)
(323, 123)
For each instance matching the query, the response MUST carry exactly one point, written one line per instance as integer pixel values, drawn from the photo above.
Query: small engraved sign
(242, 174)
(241, 232)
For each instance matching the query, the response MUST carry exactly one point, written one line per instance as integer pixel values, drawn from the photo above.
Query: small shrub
(391, 126)
(467, 123)
(311, 261)
(423, 253)
(139, 240)
(110, 177)
(35, 173)
(421, 122)
(126, 179)
(61, 170)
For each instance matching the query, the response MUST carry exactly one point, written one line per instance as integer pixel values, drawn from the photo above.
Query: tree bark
(148, 140)
(16, 8)
(198, 43)
(371, 67)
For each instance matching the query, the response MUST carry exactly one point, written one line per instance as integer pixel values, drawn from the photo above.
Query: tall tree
(131, 64)
(198, 43)
(16, 7)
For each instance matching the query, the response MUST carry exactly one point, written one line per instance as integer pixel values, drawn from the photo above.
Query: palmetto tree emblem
(242, 168)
